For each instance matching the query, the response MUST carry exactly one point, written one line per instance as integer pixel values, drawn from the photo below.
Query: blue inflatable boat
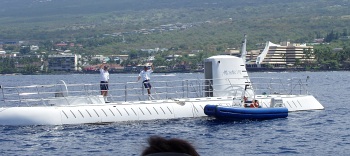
(241, 113)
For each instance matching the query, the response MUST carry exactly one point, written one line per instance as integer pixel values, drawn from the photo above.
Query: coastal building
(67, 62)
(8, 42)
(34, 48)
(119, 58)
(284, 54)
(233, 52)
(251, 56)
(2, 52)
(100, 58)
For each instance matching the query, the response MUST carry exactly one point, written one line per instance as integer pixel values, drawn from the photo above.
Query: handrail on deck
(134, 91)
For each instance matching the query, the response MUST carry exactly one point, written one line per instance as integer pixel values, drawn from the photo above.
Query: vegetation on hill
(273, 20)
(114, 26)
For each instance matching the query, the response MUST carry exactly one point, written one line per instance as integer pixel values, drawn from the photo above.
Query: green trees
(113, 27)
(100, 27)
(334, 56)
(26, 65)
(24, 50)
(159, 61)
(7, 65)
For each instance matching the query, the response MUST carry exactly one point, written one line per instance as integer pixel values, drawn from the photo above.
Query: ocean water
(319, 132)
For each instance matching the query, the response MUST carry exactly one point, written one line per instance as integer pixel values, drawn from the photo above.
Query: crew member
(104, 78)
(145, 74)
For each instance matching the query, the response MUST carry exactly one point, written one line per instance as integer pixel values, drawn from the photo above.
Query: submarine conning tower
(225, 75)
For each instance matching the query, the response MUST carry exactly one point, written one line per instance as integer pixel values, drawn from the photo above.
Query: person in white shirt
(145, 75)
(104, 78)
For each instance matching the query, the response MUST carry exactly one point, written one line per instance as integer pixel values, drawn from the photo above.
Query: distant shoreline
(167, 72)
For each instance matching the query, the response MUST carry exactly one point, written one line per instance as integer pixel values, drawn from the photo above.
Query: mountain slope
(263, 20)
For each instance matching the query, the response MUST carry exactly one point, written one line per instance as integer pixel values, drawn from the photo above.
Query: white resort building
(281, 55)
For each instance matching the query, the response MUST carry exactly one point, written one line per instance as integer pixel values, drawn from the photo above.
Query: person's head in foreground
(158, 146)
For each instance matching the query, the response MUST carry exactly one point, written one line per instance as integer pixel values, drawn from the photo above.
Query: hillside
(218, 24)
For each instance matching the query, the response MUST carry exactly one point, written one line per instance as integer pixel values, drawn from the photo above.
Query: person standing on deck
(145, 75)
(104, 77)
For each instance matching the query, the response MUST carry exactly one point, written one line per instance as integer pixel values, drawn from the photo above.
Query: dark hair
(160, 145)
(105, 67)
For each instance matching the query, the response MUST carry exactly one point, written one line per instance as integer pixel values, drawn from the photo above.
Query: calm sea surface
(321, 132)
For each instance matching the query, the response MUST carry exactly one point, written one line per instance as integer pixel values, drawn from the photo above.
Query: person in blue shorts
(145, 74)
(104, 78)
